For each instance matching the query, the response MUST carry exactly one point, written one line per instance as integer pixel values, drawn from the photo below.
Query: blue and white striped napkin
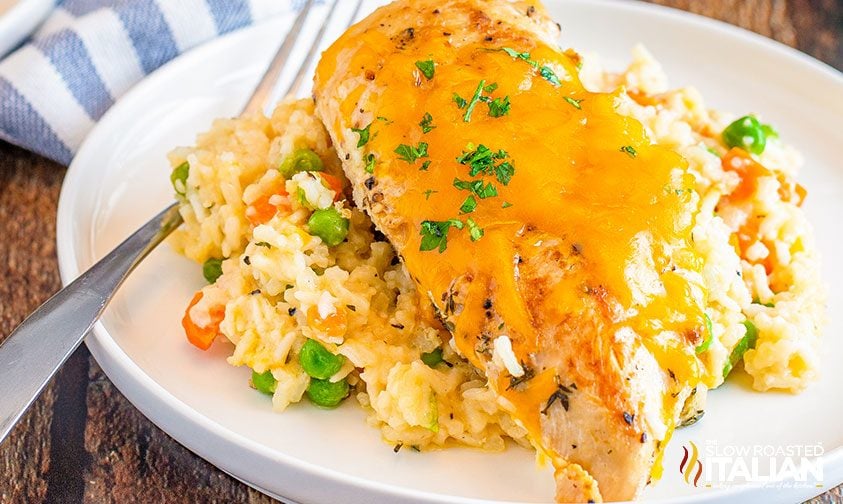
(88, 53)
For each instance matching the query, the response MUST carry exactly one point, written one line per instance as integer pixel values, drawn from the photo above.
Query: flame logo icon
(691, 465)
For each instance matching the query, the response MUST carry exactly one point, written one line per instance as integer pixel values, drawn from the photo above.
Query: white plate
(120, 178)
(19, 18)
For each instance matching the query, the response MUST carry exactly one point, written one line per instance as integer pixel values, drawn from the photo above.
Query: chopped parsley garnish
(370, 163)
(435, 234)
(518, 55)
(409, 153)
(460, 101)
(504, 172)
(425, 166)
(364, 135)
(484, 160)
(468, 205)
(427, 123)
(477, 187)
(426, 67)
(474, 231)
(263, 244)
(506, 204)
(499, 107)
(384, 119)
(630, 150)
(428, 193)
(574, 102)
(545, 71)
(481, 159)
(465, 185)
(474, 99)
(487, 191)
(549, 75)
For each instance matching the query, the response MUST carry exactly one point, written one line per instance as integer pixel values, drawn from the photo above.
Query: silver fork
(38, 347)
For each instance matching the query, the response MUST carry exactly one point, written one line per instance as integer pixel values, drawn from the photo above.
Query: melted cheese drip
(630, 216)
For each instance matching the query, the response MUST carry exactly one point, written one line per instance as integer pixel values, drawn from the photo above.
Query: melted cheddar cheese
(583, 174)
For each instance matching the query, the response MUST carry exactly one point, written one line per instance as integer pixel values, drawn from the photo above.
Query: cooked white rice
(278, 279)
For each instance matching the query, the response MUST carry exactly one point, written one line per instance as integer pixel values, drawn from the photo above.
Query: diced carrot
(790, 191)
(642, 98)
(802, 193)
(772, 258)
(333, 325)
(739, 161)
(202, 337)
(747, 236)
(262, 210)
(333, 183)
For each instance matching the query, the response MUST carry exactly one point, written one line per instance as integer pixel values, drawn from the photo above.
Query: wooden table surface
(83, 441)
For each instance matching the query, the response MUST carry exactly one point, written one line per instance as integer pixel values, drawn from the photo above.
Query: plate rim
(127, 375)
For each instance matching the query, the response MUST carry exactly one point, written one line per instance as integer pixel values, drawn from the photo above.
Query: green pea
(318, 362)
(769, 131)
(329, 225)
(326, 394)
(709, 335)
(432, 358)
(178, 178)
(746, 343)
(768, 305)
(746, 133)
(264, 382)
(300, 160)
(302, 198)
(212, 269)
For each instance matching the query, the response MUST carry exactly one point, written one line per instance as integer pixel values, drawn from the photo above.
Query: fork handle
(39, 346)
(260, 96)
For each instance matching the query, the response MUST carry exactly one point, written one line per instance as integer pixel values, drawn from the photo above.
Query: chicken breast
(551, 236)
